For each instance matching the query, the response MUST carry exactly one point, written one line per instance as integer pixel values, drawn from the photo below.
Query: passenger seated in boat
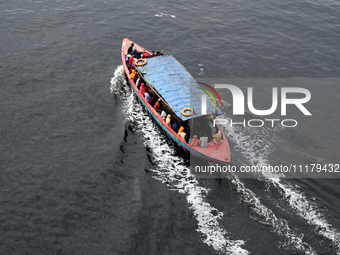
(153, 53)
(147, 96)
(184, 131)
(149, 90)
(136, 78)
(182, 134)
(153, 100)
(127, 62)
(130, 49)
(204, 141)
(164, 114)
(133, 74)
(139, 82)
(217, 138)
(194, 141)
(132, 58)
(142, 89)
(127, 57)
(181, 129)
(175, 126)
(168, 120)
(137, 54)
(157, 106)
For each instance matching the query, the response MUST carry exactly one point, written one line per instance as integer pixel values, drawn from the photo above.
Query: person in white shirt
(164, 114)
(204, 141)
(147, 96)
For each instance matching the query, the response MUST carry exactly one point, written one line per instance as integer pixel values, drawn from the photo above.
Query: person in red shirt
(131, 59)
(143, 89)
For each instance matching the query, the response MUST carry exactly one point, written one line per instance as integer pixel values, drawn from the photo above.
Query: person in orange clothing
(181, 129)
(194, 141)
(133, 73)
(157, 106)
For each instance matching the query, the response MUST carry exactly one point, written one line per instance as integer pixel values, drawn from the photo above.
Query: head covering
(159, 99)
(168, 119)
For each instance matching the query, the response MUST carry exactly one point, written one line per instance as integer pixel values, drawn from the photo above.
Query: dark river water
(84, 170)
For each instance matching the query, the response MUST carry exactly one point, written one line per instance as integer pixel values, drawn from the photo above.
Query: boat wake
(119, 85)
(173, 171)
(266, 216)
(255, 145)
(308, 211)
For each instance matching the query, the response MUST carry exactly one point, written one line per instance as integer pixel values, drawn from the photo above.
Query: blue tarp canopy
(172, 81)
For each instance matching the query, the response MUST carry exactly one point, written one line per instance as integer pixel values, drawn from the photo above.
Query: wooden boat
(169, 80)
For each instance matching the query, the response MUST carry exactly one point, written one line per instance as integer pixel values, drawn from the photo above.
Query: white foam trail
(256, 151)
(172, 171)
(266, 216)
(308, 211)
(255, 147)
(118, 81)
